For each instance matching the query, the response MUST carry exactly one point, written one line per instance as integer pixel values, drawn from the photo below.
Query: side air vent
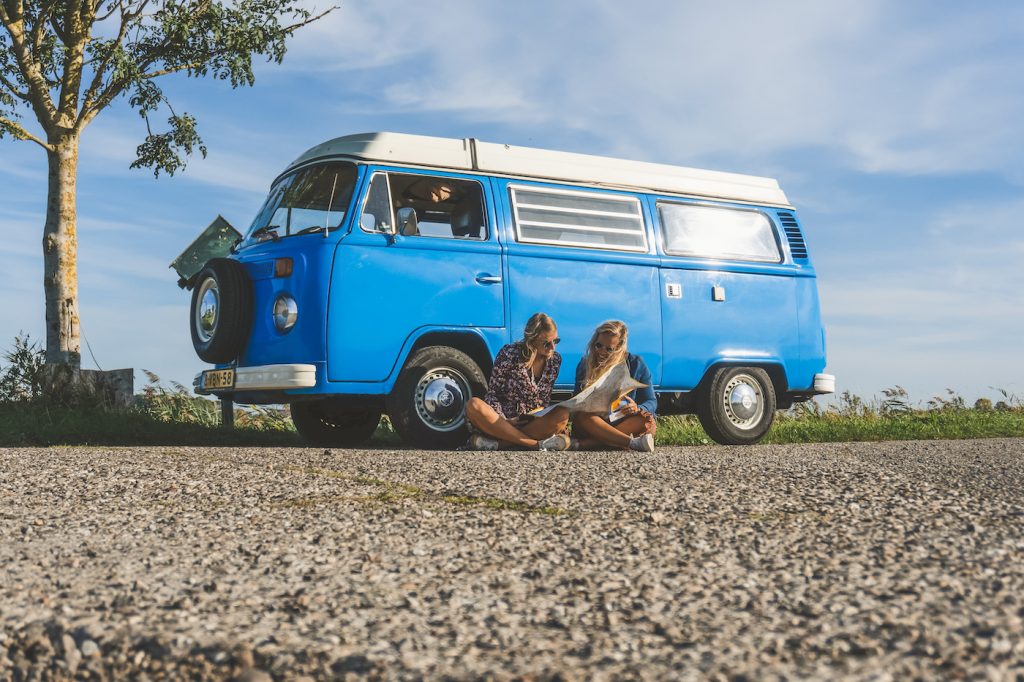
(797, 246)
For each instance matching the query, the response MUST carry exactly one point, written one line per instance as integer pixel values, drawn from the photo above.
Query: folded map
(597, 398)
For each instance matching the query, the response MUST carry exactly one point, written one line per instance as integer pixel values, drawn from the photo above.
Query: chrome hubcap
(208, 310)
(744, 403)
(441, 397)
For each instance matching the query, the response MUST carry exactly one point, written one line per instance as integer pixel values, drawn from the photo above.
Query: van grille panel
(797, 246)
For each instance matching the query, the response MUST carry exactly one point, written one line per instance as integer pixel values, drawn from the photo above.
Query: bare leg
(595, 431)
(548, 425)
(483, 417)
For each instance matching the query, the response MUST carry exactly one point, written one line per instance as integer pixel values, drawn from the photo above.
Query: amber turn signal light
(282, 267)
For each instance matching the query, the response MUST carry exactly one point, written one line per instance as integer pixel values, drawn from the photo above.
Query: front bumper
(264, 378)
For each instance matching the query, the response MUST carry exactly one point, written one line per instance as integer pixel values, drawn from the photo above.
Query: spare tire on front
(221, 314)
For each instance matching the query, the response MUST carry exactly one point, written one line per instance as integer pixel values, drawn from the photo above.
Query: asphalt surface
(839, 561)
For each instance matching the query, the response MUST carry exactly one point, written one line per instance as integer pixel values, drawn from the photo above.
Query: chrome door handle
(488, 279)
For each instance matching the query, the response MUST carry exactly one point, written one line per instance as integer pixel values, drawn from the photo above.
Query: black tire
(738, 406)
(325, 423)
(219, 336)
(428, 403)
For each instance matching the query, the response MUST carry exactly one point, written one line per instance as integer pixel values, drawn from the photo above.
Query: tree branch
(147, 60)
(15, 10)
(13, 18)
(12, 88)
(22, 134)
(78, 27)
(99, 96)
(114, 6)
(38, 30)
(92, 93)
(58, 30)
(173, 69)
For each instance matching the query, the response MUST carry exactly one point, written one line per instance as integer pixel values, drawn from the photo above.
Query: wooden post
(227, 413)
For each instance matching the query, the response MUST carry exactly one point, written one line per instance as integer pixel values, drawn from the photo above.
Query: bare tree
(68, 60)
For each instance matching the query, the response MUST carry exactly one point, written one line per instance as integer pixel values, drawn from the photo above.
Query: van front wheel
(428, 404)
(325, 423)
(738, 406)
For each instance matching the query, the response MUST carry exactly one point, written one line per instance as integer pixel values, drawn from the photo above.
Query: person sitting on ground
(636, 421)
(524, 374)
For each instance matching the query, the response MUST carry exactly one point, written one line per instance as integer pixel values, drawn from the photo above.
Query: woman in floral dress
(524, 374)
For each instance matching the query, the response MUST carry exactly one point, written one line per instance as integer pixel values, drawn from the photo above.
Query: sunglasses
(551, 344)
(600, 346)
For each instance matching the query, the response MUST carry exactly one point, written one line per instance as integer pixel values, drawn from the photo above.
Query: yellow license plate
(218, 378)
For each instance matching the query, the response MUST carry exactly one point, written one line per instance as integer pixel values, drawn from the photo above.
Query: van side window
(427, 206)
(569, 218)
(718, 232)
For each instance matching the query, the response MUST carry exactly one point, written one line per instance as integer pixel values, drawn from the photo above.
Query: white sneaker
(555, 443)
(479, 441)
(644, 443)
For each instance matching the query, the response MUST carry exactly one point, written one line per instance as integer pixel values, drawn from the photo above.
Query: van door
(440, 267)
(581, 256)
(726, 295)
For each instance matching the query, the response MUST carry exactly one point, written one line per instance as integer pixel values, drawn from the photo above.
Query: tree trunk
(60, 254)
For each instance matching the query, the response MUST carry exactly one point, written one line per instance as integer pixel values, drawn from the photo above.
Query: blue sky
(895, 129)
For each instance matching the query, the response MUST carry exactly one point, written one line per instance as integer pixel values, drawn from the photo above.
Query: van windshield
(313, 199)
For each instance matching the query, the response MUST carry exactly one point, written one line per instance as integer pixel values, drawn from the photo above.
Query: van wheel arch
(469, 343)
(775, 372)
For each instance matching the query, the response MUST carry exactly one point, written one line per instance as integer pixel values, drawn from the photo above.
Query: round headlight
(285, 312)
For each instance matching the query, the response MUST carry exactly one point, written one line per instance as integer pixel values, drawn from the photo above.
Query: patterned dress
(512, 391)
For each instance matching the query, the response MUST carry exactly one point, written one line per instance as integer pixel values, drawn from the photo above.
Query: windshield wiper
(266, 230)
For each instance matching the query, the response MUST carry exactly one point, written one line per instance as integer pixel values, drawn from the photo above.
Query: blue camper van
(385, 271)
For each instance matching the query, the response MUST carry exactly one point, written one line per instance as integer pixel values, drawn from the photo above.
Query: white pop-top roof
(473, 155)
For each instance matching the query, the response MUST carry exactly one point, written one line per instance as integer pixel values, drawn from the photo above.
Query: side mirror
(408, 223)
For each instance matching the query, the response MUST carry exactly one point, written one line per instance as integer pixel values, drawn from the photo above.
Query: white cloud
(905, 89)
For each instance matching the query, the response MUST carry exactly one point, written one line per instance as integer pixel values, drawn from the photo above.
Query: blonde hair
(538, 325)
(594, 367)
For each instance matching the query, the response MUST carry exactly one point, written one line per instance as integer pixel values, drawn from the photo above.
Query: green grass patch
(918, 425)
(29, 424)
(832, 427)
(36, 411)
(36, 425)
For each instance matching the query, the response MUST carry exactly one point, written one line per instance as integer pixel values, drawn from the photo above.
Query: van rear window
(718, 232)
(567, 218)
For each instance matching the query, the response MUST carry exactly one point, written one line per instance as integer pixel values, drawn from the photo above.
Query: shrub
(22, 380)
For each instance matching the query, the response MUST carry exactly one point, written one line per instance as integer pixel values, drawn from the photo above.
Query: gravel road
(860, 561)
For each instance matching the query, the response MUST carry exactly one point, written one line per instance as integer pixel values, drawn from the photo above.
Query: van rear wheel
(738, 406)
(428, 403)
(325, 423)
